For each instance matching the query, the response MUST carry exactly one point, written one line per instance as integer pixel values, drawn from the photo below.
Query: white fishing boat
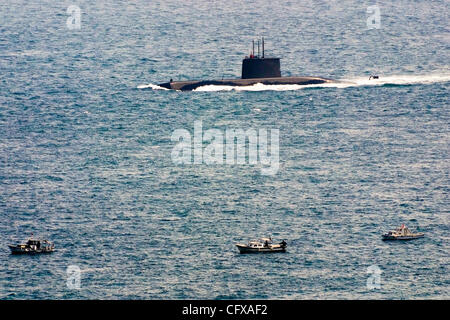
(263, 245)
(402, 233)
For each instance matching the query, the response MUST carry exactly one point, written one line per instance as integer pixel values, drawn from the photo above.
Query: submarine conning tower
(256, 66)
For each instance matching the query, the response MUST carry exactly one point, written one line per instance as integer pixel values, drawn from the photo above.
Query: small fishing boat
(263, 245)
(402, 233)
(32, 246)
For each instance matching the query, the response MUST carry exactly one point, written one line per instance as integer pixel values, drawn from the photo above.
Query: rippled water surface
(85, 147)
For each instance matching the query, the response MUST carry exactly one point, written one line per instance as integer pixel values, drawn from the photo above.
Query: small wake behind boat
(402, 233)
(263, 245)
(32, 246)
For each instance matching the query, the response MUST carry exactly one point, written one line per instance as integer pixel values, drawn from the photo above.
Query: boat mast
(258, 48)
(263, 47)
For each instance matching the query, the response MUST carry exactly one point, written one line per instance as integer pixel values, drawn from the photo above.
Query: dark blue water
(86, 154)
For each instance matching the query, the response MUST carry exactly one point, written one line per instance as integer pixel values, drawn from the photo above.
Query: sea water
(86, 150)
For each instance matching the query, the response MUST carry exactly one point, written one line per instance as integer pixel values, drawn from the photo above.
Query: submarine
(256, 68)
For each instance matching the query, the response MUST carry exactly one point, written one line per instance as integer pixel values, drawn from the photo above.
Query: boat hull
(192, 85)
(25, 250)
(246, 249)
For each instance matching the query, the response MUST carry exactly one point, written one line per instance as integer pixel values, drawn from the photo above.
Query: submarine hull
(192, 85)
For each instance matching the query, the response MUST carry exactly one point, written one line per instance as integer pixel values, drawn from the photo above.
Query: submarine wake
(151, 86)
(393, 80)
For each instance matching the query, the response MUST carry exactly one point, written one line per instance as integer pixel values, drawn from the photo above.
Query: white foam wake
(151, 86)
(394, 80)
(254, 87)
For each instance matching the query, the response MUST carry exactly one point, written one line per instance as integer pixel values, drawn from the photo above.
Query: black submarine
(255, 69)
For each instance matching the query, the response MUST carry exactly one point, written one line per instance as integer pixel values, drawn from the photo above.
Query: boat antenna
(253, 50)
(258, 48)
(263, 47)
